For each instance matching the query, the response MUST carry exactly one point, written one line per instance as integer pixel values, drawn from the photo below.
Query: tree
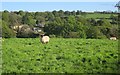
(40, 20)
(6, 31)
(50, 16)
(99, 22)
(81, 19)
(73, 13)
(94, 32)
(14, 19)
(55, 13)
(21, 13)
(78, 12)
(5, 16)
(55, 27)
(71, 22)
(79, 27)
(0, 28)
(92, 21)
(61, 13)
(114, 31)
(28, 19)
(67, 13)
(60, 23)
(105, 27)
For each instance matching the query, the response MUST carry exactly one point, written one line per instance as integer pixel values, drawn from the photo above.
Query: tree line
(66, 24)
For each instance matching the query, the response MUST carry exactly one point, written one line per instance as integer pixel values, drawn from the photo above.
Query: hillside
(60, 24)
(23, 55)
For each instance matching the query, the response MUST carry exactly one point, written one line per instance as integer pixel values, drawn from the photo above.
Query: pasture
(28, 55)
(0, 55)
(99, 15)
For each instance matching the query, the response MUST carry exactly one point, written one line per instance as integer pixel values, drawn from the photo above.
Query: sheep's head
(42, 35)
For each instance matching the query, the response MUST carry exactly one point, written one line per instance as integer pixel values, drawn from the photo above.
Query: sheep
(44, 39)
(113, 38)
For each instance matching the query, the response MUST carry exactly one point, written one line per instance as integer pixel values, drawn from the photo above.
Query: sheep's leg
(43, 42)
(46, 42)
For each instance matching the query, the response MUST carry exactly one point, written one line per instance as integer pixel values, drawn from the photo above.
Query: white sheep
(44, 39)
(113, 38)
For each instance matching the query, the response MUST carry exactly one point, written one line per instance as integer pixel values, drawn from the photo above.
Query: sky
(50, 6)
(59, 0)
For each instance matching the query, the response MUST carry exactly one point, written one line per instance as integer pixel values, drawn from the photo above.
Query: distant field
(98, 15)
(27, 55)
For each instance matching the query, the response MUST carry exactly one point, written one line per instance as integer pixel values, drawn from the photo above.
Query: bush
(73, 35)
(6, 31)
(25, 32)
(94, 32)
(0, 28)
(52, 36)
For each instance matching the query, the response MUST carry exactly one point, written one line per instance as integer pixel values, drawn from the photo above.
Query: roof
(118, 4)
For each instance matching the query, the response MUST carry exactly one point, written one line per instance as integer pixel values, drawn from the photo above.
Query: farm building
(118, 5)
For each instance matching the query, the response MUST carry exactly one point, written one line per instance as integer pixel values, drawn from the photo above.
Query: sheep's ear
(43, 34)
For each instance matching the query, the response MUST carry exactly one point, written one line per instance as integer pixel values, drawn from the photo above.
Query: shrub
(6, 31)
(73, 35)
(52, 36)
(25, 32)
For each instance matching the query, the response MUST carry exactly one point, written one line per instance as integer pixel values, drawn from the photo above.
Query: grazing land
(99, 15)
(60, 55)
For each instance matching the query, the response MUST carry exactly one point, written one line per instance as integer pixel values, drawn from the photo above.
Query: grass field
(28, 55)
(99, 15)
(0, 55)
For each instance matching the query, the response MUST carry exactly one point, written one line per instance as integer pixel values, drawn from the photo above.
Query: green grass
(0, 55)
(99, 15)
(27, 55)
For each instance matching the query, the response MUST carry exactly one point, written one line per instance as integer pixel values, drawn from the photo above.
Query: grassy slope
(99, 15)
(60, 55)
